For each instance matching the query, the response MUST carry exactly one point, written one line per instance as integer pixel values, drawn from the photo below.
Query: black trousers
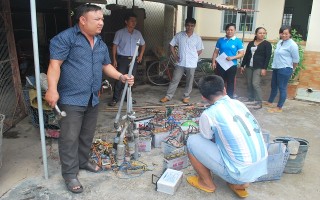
(76, 134)
(123, 67)
(229, 78)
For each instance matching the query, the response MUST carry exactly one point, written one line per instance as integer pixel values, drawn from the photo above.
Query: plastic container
(266, 136)
(294, 166)
(168, 148)
(176, 163)
(277, 158)
(144, 144)
(2, 117)
(157, 138)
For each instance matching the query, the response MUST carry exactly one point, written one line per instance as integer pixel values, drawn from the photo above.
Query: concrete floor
(21, 176)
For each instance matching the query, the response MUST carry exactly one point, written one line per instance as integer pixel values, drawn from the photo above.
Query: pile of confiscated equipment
(167, 130)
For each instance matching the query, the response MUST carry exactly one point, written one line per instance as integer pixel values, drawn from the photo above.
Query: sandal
(194, 181)
(242, 193)
(74, 185)
(268, 104)
(275, 110)
(91, 167)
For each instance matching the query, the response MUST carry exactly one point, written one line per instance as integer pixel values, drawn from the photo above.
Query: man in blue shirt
(124, 45)
(78, 56)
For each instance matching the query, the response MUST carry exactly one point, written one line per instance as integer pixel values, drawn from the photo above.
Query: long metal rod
(33, 11)
(116, 122)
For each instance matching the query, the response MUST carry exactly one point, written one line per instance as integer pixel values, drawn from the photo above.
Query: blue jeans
(280, 79)
(207, 152)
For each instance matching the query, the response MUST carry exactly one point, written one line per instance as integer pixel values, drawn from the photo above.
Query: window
(287, 16)
(242, 21)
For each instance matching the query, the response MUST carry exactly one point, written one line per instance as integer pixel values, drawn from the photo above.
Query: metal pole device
(37, 73)
(129, 117)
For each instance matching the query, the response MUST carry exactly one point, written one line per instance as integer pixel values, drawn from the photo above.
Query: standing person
(233, 48)
(124, 45)
(254, 64)
(77, 58)
(285, 60)
(230, 143)
(190, 47)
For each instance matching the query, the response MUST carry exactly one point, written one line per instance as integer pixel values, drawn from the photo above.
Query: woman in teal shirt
(233, 48)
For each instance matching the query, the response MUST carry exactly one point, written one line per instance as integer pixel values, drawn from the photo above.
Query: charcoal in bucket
(294, 166)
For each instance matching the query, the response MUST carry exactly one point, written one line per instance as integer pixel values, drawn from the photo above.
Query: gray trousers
(177, 74)
(254, 81)
(76, 133)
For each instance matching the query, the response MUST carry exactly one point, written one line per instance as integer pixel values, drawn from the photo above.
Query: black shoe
(257, 106)
(133, 101)
(113, 103)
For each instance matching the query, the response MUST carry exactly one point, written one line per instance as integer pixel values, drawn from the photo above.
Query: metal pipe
(37, 73)
(116, 122)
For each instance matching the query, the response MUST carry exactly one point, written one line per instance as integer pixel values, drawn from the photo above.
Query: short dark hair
(285, 27)
(228, 26)
(211, 86)
(83, 9)
(190, 20)
(128, 15)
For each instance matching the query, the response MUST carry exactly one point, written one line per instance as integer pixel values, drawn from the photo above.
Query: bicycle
(160, 72)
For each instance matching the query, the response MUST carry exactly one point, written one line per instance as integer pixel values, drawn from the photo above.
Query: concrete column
(313, 43)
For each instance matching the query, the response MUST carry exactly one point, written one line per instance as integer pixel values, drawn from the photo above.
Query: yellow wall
(209, 22)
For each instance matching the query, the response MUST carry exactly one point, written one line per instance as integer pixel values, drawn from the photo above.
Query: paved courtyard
(21, 176)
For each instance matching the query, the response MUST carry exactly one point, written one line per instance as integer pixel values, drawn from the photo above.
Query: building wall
(310, 77)
(313, 43)
(301, 11)
(209, 22)
(270, 16)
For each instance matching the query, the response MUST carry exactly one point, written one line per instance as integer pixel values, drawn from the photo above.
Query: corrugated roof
(202, 4)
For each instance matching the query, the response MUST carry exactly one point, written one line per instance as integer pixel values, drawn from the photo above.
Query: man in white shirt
(190, 47)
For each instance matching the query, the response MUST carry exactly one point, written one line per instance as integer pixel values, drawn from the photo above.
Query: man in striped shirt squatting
(230, 142)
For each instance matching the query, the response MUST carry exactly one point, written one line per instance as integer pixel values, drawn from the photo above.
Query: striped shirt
(188, 48)
(238, 136)
(81, 70)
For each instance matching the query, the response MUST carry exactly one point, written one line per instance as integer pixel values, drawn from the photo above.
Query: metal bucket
(294, 166)
(1, 127)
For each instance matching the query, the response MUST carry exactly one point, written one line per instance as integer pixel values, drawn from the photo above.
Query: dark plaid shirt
(81, 70)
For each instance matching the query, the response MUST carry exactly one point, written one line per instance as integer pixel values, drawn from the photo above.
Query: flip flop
(242, 193)
(274, 110)
(72, 184)
(194, 181)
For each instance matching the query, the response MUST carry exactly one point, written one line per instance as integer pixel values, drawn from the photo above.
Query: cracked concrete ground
(21, 176)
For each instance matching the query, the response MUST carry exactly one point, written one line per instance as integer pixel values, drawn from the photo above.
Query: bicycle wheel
(203, 69)
(160, 73)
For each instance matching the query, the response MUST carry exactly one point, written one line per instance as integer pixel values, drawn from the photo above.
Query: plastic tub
(294, 166)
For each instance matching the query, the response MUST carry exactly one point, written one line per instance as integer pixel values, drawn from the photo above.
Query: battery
(169, 181)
